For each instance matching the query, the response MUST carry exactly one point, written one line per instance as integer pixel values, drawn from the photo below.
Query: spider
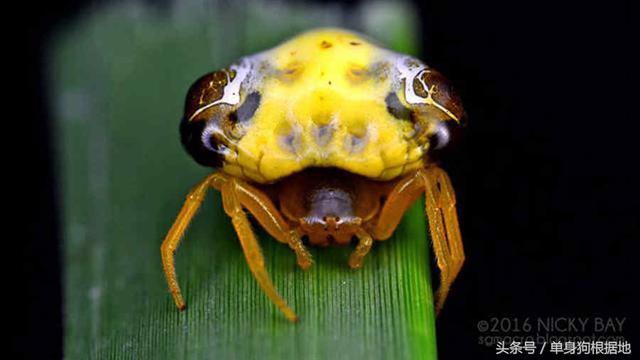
(326, 137)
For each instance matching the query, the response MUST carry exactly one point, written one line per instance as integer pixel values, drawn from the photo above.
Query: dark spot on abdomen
(248, 108)
(396, 108)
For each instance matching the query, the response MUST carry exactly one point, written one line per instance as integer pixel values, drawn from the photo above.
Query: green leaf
(118, 81)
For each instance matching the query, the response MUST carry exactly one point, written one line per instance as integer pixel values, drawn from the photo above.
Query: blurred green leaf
(118, 80)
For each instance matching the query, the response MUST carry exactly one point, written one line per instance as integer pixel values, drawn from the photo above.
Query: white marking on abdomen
(231, 91)
(409, 74)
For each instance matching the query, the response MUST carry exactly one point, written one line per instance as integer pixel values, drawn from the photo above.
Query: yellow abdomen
(324, 103)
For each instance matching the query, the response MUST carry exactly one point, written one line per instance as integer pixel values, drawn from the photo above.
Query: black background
(545, 175)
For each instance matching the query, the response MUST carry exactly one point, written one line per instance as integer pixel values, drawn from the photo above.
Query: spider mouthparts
(330, 230)
(331, 222)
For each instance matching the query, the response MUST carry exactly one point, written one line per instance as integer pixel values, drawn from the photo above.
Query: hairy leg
(405, 192)
(172, 240)
(445, 231)
(441, 213)
(269, 217)
(253, 254)
(362, 249)
(232, 192)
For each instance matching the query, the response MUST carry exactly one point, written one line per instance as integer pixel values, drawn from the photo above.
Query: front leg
(231, 194)
(172, 240)
(445, 231)
(441, 213)
(263, 209)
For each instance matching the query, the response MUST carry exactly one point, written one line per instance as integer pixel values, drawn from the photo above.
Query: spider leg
(269, 217)
(401, 197)
(443, 221)
(362, 249)
(253, 254)
(172, 240)
(445, 231)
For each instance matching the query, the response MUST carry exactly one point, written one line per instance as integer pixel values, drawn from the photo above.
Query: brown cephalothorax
(329, 206)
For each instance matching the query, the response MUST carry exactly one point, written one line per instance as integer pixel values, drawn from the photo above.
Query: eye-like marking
(202, 148)
(433, 106)
(205, 90)
(424, 86)
(230, 90)
(210, 126)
